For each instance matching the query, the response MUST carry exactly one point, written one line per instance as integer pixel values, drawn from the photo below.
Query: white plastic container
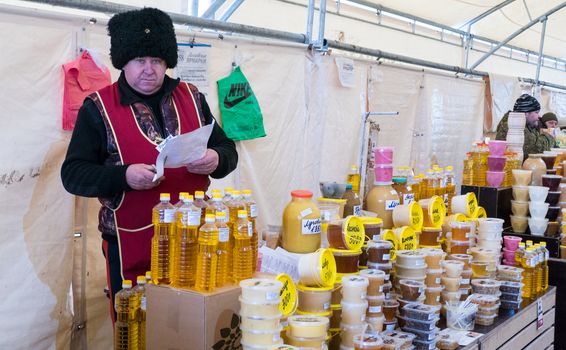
(490, 224)
(303, 326)
(538, 210)
(354, 288)
(489, 243)
(410, 258)
(258, 290)
(538, 193)
(538, 226)
(452, 268)
(353, 313)
(261, 337)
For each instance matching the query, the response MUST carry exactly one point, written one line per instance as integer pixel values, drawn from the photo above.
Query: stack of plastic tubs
(375, 298)
(409, 265)
(515, 134)
(307, 331)
(433, 259)
(553, 183)
(379, 258)
(451, 279)
(383, 164)
(511, 286)
(496, 163)
(489, 233)
(520, 203)
(538, 209)
(260, 314)
(487, 296)
(465, 287)
(484, 262)
(354, 308)
(511, 244)
(421, 321)
(396, 340)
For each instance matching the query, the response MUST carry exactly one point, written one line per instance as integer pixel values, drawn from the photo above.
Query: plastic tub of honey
(483, 254)
(308, 326)
(390, 307)
(486, 286)
(432, 296)
(314, 299)
(461, 231)
(465, 292)
(259, 309)
(276, 345)
(403, 302)
(336, 317)
(379, 251)
(318, 269)
(259, 322)
(406, 338)
(430, 236)
(375, 306)
(315, 343)
(411, 289)
(451, 284)
(489, 243)
(452, 268)
(372, 227)
(346, 260)
(353, 313)
(282, 347)
(349, 331)
(376, 280)
(259, 290)
(261, 337)
(465, 258)
(354, 288)
(509, 273)
(434, 211)
(458, 247)
(376, 322)
(433, 277)
(336, 293)
(450, 296)
(410, 258)
(410, 272)
(410, 214)
(485, 320)
(386, 268)
(347, 234)
(368, 341)
(466, 278)
(433, 257)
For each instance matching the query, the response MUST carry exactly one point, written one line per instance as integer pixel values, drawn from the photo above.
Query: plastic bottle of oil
(216, 205)
(519, 253)
(163, 240)
(243, 253)
(480, 163)
(545, 267)
(528, 265)
(213, 192)
(251, 207)
(148, 277)
(185, 260)
(224, 251)
(141, 317)
(431, 183)
(207, 259)
(227, 195)
(199, 202)
(418, 186)
(234, 206)
(450, 179)
(538, 269)
(354, 178)
(468, 172)
(126, 326)
(180, 202)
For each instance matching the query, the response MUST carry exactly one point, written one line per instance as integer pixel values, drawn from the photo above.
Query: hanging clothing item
(82, 77)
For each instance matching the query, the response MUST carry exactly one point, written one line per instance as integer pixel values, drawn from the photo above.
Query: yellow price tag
(408, 239)
(390, 236)
(328, 268)
(471, 204)
(288, 295)
(354, 233)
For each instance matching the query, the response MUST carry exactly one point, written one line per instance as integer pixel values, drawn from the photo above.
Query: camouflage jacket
(535, 141)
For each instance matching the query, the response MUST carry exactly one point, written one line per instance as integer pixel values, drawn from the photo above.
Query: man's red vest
(134, 213)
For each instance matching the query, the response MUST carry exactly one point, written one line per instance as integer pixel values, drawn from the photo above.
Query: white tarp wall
(312, 126)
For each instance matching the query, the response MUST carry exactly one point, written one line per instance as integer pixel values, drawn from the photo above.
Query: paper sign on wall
(346, 71)
(192, 65)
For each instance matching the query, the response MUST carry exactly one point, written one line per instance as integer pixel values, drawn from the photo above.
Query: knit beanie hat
(526, 103)
(141, 33)
(548, 116)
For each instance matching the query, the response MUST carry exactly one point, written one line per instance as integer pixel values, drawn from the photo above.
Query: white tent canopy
(52, 281)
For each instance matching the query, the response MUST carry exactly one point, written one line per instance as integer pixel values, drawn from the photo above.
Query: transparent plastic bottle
(354, 178)
(538, 269)
(187, 224)
(418, 186)
(251, 207)
(234, 206)
(227, 195)
(353, 205)
(141, 316)
(519, 253)
(545, 267)
(199, 202)
(468, 171)
(148, 277)
(441, 191)
(216, 205)
(224, 251)
(207, 260)
(450, 180)
(163, 240)
(431, 183)
(243, 253)
(126, 326)
(180, 202)
(528, 264)
(212, 193)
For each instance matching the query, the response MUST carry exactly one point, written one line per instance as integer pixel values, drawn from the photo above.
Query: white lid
(354, 281)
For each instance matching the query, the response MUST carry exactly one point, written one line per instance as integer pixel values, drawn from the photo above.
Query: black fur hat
(140, 33)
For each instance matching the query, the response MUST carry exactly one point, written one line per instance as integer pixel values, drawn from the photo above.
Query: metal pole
(211, 11)
(321, 23)
(468, 45)
(194, 10)
(542, 33)
(310, 20)
(517, 32)
(230, 11)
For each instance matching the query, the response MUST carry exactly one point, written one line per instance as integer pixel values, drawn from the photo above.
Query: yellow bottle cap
(242, 213)
(247, 191)
(190, 198)
(199, 194)
(126, 284)
(216, 190)
(183, 195)
(449, 168)
(148, 275)
(163, 197)
(209, 218)
(140, 279)
(228, 190)
(235, 193)
(220, 215)
(217, 196)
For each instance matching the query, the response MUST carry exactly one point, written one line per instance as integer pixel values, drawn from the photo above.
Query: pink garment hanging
(82, 77)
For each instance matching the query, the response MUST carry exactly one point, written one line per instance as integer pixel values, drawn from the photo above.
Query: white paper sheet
(346, 73)
(182, 149)
(192, 65)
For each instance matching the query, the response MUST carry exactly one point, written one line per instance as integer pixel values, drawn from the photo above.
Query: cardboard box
(183, 319)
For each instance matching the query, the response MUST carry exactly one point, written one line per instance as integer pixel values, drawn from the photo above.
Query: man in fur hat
(113, 146)
(535, 140)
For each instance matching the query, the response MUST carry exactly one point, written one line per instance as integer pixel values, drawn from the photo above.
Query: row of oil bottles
(476, 166)
(130, 304)
(436, 182)
(204, 245)
(533, 259)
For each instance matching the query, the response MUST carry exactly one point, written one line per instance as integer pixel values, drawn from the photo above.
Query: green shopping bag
(241, 115)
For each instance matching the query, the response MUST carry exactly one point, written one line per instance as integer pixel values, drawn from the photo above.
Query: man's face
(532, 118)
(145, 74)
(551, 124)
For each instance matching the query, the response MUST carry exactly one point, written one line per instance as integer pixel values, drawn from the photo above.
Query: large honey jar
(301, 224)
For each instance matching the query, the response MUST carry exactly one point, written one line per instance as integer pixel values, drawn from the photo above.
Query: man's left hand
(206, 164)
